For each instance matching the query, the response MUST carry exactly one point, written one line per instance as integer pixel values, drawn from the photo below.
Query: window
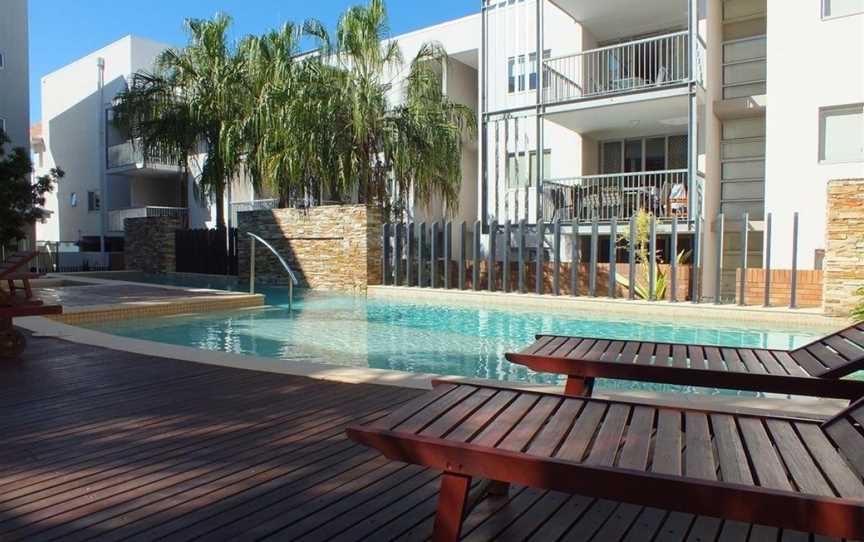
(93, 201)
(517, 70)
(73, 199)
(2, 125)
(841, 8)
(2, 61)
(841, 134)
(657, 153)
(518, 175)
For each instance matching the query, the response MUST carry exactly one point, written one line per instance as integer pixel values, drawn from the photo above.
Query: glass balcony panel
(744, 170)
(743, 149)
(744, 128)
(746, 190)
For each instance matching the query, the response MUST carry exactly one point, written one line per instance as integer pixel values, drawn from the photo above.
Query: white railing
(117, 217)
(637, 65)
(131, 153)
(665, 194)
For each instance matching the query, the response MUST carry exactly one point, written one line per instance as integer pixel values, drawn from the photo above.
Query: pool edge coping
(44, 327)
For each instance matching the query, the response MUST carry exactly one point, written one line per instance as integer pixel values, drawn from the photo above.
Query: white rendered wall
(14, 77)
(812, 63)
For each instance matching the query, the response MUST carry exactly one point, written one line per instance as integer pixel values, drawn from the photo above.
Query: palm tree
(189, 107)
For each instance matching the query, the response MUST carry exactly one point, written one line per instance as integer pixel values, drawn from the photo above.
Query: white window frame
(823, 112)
(93, 196)
(2, 61)
(3, 125)
(520, 69)
(823, 5)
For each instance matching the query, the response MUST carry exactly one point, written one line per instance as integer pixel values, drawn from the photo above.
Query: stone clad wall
(149, 244)
(335, 248)
(844, 246)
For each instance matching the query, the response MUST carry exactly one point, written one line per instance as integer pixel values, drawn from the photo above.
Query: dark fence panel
(206, 251)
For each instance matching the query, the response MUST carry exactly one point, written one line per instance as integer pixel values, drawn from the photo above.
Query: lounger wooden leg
(451, 507)
(28, 291)
(579, 386)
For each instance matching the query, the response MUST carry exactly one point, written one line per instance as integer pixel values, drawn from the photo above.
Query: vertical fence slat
(556, 270)
(673, 260)
(397, 275)
(462, 255)
(448, 252)
(631, 290)
(541, 234)
(613, 260)
(745, 248)
(721, 227)
(521, 256)
(475, 270)
(421, 249)
(575, 258)
(385, 262)
(592, 281)
(767, 301)
(508, 226)
(433, 274)
(493, 256)
(652, 259)
(410, 248)
(793, 298)
(697, 255)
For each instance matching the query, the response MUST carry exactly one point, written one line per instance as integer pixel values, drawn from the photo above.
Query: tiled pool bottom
(422, 338)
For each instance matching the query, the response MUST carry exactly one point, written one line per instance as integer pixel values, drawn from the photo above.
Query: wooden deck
(97, 443)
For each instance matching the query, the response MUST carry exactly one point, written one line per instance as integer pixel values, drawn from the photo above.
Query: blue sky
(64, 30)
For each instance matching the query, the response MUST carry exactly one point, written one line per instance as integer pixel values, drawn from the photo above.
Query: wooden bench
(790, 473)
(816, 369)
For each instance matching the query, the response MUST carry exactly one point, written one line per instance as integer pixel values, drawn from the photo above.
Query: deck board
(116, 446)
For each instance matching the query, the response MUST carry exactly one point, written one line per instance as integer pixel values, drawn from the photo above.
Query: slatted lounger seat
(13, 269)
(789, 473)
(816, 369)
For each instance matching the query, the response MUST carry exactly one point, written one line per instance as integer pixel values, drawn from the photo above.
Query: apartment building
(687, 109)
(14, 72)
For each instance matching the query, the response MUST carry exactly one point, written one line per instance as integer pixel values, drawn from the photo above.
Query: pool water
(440, 339)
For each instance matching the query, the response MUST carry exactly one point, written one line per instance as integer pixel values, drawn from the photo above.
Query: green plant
(858, 311)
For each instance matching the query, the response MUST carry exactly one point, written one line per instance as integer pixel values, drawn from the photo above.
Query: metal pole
(493, 257)
(613, 258)
(673, 260)
(767, 301)
(541, 234)
(631, 293)
(421, 248)
(721, 227)
(592, 280)
(575, 259)
(652, 259)
(556, 269)
(462, 255)
(290, 295)
(507, 235)
(385, 263)
(697, 255)
(252, 267)
(522, 256)
(397, 241)
(475, 270)
(410, 248)
(434, 274)
(793, 300)
(448, 252)
(745, 247)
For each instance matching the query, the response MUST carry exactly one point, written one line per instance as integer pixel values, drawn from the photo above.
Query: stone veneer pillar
(844, 246)
(336, 248)
(150, 244)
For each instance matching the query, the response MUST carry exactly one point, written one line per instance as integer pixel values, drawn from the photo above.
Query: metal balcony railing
(131, 153)
(117, 216)
(627, 67)
(664, 194)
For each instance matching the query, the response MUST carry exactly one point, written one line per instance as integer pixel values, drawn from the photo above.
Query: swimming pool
(440, 339)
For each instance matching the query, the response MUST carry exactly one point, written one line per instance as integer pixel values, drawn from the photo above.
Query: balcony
(665, 194)
(117, 217)
(128, 158)
(636, 66)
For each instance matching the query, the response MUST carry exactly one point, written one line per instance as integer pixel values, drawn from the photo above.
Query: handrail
(293, 282)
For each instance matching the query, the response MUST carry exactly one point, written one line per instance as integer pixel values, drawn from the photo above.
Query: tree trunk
(220, 207)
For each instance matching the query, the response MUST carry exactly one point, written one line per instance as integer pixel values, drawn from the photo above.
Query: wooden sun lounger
(13, 270)
(789, 473)
(816, 369)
